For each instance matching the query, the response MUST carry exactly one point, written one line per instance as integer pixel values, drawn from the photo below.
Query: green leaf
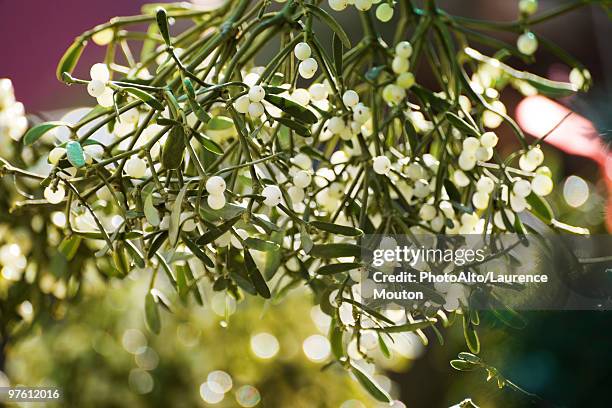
(544, 86)
(36, 132)
(145, 97)
(331, 23)
(150, 212)
(383, 346)
(208, 143)
(338, 268)
(338, 52)
(214, 233)
(437, 104)
(408, 327)
(540, 208)
(412, 135)
(193, 103)
(195, 249)
(338, 250)
(135, 254)
(305, 240)
(335, 339)
(152, 318)
(255, 276)
(261, 245)
(293, 109)
(156, 244)
(370, 385)
(181, 282)
(172, 154)
(295, 126)
(368, 310)
(461, 124)
(469, 357)
(69, 246)
(120, 260)
(175, 217)
(462, 365)
(337, 229)
(162, 23)
(471, 337)
(70, 59)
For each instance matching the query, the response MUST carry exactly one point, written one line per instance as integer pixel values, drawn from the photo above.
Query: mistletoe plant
(260, 178)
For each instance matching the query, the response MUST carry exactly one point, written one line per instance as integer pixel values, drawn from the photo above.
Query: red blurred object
(575, 134)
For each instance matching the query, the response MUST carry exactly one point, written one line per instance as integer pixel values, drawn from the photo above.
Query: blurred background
(275, 354)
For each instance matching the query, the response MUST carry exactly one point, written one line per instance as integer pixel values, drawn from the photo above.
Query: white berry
(256, 93)
(216, 202)
(99, 72)
(393, 94)
(521, 188)
(535, 156)
(318, 92)
(400, 65)
(541, 185)
(427, 212)
(296, 194)
(56, 154)
(302, 51)
(467, 161)
(336, 125)
(338, 5)
(350, 98)
(135, 167)
(405, 80)
(471, 144)
(215, 185)
(384, 12)
(488, 139)
(54, 195)
(485, 184)
(308, 68)
(381, 165)
(256, 109)
(95, 88)
(480, 200)
(363, 5)
(403, 49)
(302, 179)
(272, 196)
(242, 104)
(527, 43)
(302, 161)
(528, 7)
(460, 179)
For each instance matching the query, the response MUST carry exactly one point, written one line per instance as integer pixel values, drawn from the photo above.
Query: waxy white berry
(521, 188)
(471, 144)
(403, 49)
(393, 94)
(460, 179)
(256, 109)
(363, 5)
(427, 212)
(528, 7)
(308, 68)
(272, 196)
(381, 165)
(400, 65)
(215, 185)
(318, 92)
(135, 167)
(488, 139)
(296, 194)
(54, 195)
(302, 161)
(106, 100)
(336, 125)
(95, 88)
(467, 161)
(56, 154)
(256, 93)
(350, 98)
(480, 200)
(405, 80)
(216, 202)
(384, 12)
(361, 113)
(527, 43)
(242, 104)
(302, 51)
(302, 179)
(338, 5)
(485, 184)
(99, 72)
(541, 185)
(535, 156)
